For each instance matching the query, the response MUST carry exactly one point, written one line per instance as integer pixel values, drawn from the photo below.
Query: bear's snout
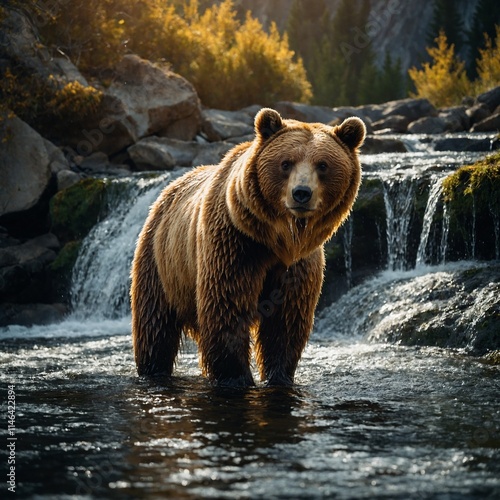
(302, 194)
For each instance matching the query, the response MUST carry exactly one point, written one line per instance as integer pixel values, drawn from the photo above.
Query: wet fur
(221, 258)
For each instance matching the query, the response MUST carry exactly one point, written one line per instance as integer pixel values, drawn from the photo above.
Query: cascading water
(364, 420)
(424, 254)
(398, 198)
(100, 282)
(347, 241)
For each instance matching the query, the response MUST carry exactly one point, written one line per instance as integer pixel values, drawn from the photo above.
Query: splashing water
(398, 199)
(435, 194)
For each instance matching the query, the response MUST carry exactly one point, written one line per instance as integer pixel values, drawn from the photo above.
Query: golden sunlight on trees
(444, 81)
(231, 63)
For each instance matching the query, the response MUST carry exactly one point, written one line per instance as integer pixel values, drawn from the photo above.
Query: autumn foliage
(231, 63)
(444, 80)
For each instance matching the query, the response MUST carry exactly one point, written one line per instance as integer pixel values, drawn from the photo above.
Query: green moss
(67, 257)
(75, 210)
(480, 181)
(473, 203)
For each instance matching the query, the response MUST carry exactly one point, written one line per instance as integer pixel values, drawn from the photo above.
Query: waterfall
(347, 242)
(444, 234)
(100, 280)
(398, 199)
(424, 254)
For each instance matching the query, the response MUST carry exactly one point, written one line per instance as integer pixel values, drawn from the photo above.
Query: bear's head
(299, 181)
(306, 170)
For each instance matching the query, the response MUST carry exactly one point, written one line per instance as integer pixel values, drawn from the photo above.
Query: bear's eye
(286, 165)
(322, 166)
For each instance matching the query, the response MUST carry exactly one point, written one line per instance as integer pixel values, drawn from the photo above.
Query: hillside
(396, 26)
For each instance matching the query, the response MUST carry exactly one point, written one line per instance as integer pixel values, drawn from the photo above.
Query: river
(366, 418)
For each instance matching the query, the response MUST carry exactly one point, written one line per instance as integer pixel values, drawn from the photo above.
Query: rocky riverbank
(149, 119)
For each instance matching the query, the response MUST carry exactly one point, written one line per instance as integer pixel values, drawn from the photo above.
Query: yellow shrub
(231, 63)
(444, 81)
(74, 99)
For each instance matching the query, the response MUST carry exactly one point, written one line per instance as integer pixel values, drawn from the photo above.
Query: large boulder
(308, 113)
(490, 124)
(427, 125)
(491, 98)
(413, 109)
(156, 100)
(20, 45)
(27, 162)
(151, 154)
(144, 99)
(23, 269)
(220, 125)
(455, 118)
(395, 123)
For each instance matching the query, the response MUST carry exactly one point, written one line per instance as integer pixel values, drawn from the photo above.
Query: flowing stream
(366, 419)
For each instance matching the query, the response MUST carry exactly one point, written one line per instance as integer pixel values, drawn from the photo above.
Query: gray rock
(456, 118)
(427, 125)
(395, 123)
(156, 100)
(66, 179)
(491, 98)
(463, 144)
(413, 109)
(144, 99)
(69, 70)
(151, 154)
(477, 113)
(307, 113)
(490, 124)
(25, 168)
(211, 154)
(182, 152)
(377, 145)
(31, 314)
(221, 125)
(23, 270)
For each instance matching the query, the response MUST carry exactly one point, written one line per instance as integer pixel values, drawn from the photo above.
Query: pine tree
(488, 64)
(447, 18)
(486, 16)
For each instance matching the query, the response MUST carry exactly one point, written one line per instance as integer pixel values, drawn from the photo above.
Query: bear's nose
(302, 194)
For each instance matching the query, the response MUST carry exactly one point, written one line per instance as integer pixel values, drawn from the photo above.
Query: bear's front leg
(286, 308)
(227, 293)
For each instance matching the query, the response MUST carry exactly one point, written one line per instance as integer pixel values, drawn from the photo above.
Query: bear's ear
(267, 123)
(351, 132)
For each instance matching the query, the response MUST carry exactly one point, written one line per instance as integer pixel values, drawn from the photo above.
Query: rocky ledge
(150, 119)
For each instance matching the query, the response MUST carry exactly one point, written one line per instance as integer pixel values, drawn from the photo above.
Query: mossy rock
(67, 257)
(62, 269)
(75, 210)
(473, 202)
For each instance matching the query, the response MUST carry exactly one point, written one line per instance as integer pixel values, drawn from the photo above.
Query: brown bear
(232, 254)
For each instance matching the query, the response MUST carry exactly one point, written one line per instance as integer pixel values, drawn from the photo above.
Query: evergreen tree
(486, 16)
(447, 18)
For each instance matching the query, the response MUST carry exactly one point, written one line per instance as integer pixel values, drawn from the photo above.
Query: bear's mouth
(300, 210)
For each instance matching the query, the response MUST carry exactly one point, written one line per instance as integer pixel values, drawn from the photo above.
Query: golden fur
(227, 251)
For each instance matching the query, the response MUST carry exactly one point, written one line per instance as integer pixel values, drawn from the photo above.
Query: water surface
(365, 420)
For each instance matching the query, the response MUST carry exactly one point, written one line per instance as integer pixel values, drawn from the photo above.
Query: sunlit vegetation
(231, 63)
(444, 80)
